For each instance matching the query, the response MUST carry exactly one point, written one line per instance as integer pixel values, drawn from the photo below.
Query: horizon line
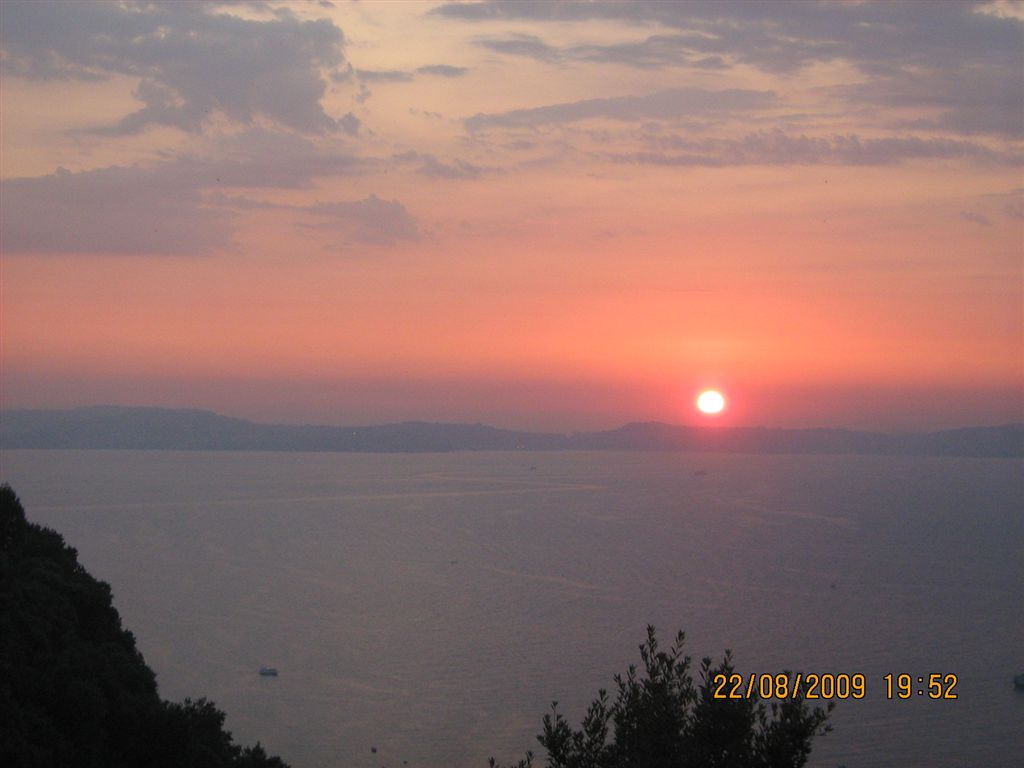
(427, 421)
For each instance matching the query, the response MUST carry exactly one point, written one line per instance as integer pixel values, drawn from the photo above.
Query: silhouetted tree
(661, 719)
(74, 689)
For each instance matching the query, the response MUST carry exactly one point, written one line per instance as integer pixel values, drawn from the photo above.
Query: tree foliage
(661, 718)
(74, 689)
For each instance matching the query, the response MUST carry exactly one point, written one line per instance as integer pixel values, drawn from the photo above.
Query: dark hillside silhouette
(180, 429)
(74, 689)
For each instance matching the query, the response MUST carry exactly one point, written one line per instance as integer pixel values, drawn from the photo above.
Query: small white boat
(268, 672)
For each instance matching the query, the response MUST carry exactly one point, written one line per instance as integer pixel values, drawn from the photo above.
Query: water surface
(433, 605)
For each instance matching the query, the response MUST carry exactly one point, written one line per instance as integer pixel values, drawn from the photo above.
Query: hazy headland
(114, 427)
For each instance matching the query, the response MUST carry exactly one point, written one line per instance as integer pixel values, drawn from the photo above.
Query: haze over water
(433, 605)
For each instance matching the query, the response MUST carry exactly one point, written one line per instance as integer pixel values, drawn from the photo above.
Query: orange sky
(552, 217)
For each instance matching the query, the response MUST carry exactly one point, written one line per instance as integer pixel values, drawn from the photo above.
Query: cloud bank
(673, 103)
(191, 61)
(957, 59)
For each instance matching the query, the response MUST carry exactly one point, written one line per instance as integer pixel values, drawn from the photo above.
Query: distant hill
(181, 429)
(117, 427)
(1007, 440)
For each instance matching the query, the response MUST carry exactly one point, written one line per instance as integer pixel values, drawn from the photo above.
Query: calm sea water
(432, 606)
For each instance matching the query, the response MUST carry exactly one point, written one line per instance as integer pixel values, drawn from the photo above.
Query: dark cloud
(259, 158)
(402, 76)
(191, 61)
(652, 52)
(778, 148)
(442, 70)
(426, 113)
(677, 159)
(384, 75)
(177, 206)
(710, 62)
(975, 218)
(350, 124)
(110, 210)
(372, 221)
(459, 169)
(430, 166)
(343, 74)
(785, 35)
(529, 46)
(675, 103)
(951, 57)
(969, 101)
(767, 37)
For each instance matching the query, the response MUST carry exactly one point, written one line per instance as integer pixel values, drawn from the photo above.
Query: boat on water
(1018, 682)
(268, 672)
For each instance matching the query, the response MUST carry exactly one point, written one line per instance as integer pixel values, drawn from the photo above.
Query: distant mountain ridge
(116, 427)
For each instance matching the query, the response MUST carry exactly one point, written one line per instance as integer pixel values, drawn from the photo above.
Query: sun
(710, 401)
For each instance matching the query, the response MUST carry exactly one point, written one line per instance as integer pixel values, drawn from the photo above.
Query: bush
(661, 719)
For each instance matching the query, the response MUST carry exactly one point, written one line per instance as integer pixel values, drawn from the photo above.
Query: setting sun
(709, 401)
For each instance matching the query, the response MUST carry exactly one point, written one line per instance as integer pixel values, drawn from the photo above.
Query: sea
(427, 609)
